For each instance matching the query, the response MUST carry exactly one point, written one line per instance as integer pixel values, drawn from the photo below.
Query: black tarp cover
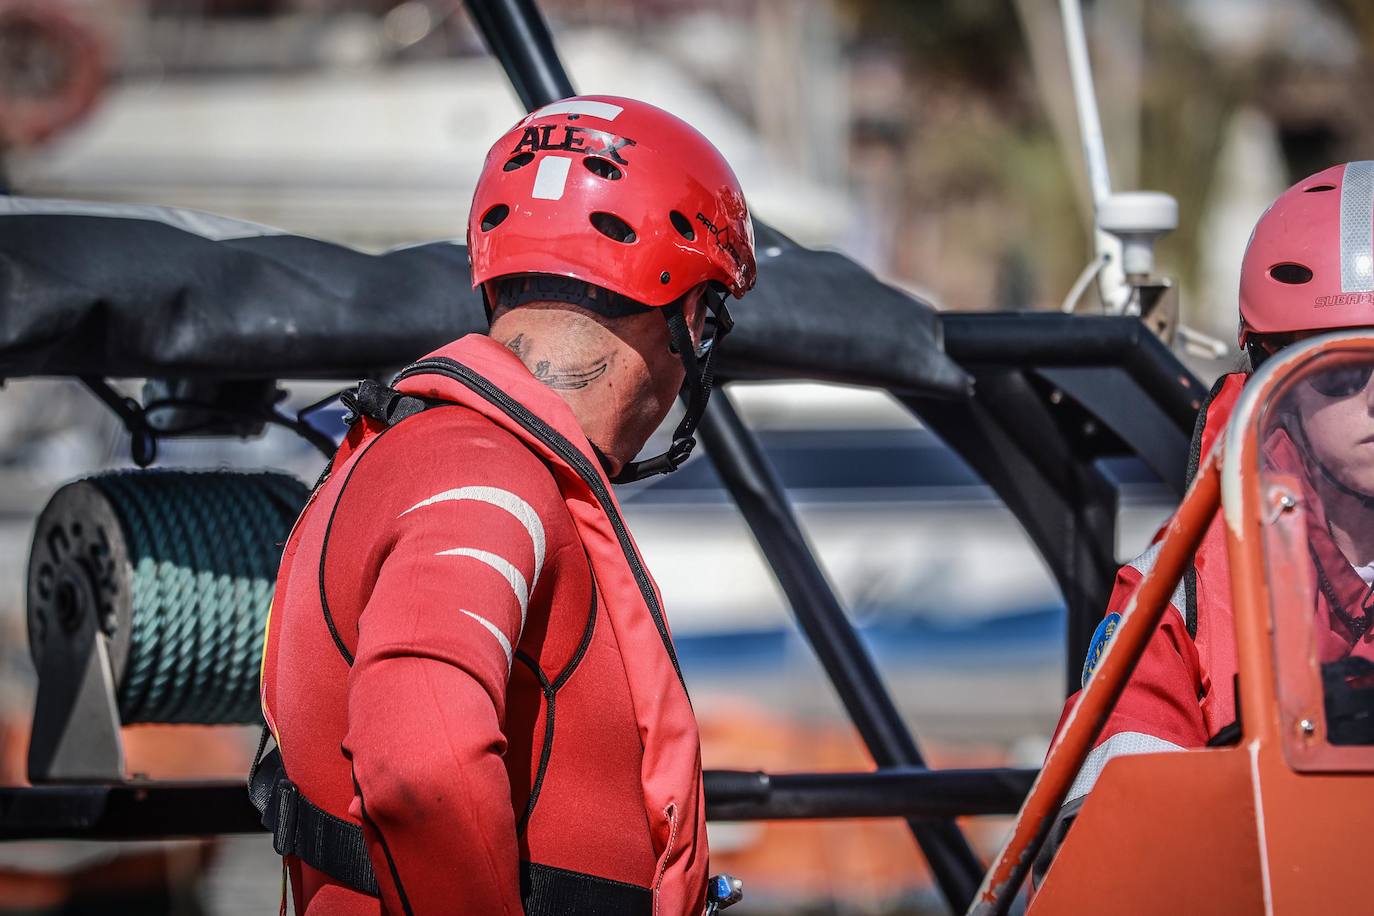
(131, 291)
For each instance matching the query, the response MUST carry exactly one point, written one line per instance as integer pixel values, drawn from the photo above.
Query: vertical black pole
(519, 38)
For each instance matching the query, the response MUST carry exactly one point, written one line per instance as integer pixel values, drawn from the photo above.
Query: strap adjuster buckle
(285, 816)
(678, 452)
(378, 402)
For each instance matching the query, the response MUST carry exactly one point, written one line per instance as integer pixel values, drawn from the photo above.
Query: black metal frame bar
(1050, 339)
(152, 810)
(914, 793)
(1040, 378)
(518, 37)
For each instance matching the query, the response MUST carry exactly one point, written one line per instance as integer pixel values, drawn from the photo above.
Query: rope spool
(177, 570)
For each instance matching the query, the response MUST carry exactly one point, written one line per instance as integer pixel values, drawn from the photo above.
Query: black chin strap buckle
(696, 389)
(679, 452)
(666, 463)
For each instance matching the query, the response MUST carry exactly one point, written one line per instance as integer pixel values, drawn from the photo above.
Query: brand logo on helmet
(1323, 302)
(724, 238)
(572, 140)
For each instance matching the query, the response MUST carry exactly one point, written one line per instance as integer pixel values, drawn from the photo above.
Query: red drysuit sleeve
(1158, 711)
(460, 533)
(1160, 708)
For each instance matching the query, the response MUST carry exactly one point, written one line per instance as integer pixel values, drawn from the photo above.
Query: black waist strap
(336, 847)
(548, 891)
(319, 839)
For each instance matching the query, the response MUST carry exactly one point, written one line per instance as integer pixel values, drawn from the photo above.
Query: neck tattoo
(560, 378)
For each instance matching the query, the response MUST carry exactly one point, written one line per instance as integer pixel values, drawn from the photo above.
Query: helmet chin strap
(696, 387)
(698, 374)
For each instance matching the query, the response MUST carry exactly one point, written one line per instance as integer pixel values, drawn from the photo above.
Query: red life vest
(621, 691)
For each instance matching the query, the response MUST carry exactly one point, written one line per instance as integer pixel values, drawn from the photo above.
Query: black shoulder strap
(1194, 462)
(385, 405)
(1200, 424)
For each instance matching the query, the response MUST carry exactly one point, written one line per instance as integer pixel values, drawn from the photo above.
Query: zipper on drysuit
(449, 368)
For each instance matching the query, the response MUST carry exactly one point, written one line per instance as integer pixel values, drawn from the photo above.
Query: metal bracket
(79, 636)
(76, 720)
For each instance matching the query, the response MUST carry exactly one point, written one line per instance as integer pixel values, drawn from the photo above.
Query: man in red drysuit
(467, 670)
(1309, 250)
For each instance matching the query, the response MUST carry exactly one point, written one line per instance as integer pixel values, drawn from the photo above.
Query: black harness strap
(378, 402)
(338, 848)
(1194, 462)
(548, 891)
(299, 828)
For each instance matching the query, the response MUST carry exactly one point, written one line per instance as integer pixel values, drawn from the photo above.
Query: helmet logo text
(1323, 302)
(723, 236)
(572, 140)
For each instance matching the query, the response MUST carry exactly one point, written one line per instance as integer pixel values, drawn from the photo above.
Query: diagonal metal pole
(760, 497)
(519, 38)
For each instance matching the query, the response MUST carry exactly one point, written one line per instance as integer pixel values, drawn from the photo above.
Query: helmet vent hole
(683, 226)
(613, 227)
(604, 168)
(1293, 274)
(1319, 187)
(494, 217)
(517, 162)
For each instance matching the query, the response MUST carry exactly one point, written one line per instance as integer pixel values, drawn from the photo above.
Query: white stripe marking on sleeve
(494, 630)
(507, 569)
(603, 110)
(1146, 562)
(552, 178)
(1119, 745)
(501, 499)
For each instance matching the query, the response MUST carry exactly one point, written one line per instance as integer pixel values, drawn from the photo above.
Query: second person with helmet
(1308, 268)
(468, 670)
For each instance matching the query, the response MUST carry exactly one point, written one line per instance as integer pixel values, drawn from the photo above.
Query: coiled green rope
(204, 549)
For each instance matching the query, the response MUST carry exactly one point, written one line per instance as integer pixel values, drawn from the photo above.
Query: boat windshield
(1317, 476)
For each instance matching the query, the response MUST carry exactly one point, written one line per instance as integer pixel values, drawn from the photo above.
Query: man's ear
(694, 309)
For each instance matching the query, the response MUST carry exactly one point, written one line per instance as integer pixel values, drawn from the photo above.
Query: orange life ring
(52, 70)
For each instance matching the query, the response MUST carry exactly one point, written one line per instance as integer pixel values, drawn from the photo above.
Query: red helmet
(614, 192)
(1310, 261)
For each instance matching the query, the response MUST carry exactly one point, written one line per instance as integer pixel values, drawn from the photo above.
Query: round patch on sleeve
(1101, 636)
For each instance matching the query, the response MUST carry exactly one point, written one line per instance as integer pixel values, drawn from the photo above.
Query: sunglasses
(1342, 382)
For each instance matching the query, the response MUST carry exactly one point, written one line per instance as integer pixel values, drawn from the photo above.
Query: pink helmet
(1310, 261)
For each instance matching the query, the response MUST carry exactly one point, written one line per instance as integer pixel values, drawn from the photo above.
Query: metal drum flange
(79, 566)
